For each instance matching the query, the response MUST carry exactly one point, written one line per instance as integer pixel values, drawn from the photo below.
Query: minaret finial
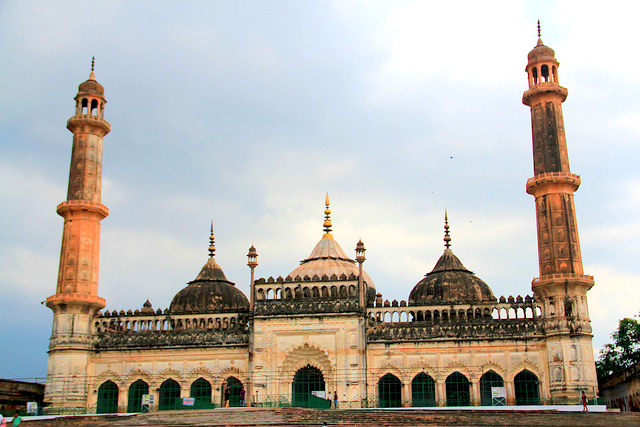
(538, 28)
(327, 218)
(93, 63)
(212, 243)
(447, 238)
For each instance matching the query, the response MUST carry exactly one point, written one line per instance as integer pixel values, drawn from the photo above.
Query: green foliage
(623, 352)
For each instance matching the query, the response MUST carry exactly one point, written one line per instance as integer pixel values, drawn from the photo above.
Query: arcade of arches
(309, 379)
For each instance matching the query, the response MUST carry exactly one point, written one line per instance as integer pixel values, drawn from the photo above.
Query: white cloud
(614, 296)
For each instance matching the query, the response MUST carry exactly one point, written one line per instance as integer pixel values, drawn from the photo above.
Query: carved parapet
(517, 329)
(305, 306)
(173, 338)
(553, 182)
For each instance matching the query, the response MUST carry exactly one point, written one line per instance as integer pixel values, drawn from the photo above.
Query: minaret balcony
(88, 120)
(82, 205)
(542, 89)
(553, 182)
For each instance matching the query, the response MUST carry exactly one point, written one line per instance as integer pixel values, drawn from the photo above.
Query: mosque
(322, 327)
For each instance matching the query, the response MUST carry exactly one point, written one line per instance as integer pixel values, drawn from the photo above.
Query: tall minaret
(562, 287)
(76, 299)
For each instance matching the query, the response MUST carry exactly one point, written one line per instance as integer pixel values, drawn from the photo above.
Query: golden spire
(327, 219)
(212, 243)
(93, 63)
(447, 238)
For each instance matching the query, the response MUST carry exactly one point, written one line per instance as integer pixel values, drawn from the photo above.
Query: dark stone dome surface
(448, 283)
(210, 292)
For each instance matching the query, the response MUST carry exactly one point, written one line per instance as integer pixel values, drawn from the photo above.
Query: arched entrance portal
(306, 381)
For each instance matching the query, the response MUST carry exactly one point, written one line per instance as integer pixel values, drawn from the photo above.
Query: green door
(389, 392)
(306, 380)
(458, 390)
(423, 390)
(136, 390)
(107, 398)
(169, 396)
(234, 385)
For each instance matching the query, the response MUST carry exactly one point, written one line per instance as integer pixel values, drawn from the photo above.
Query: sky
(247, 112)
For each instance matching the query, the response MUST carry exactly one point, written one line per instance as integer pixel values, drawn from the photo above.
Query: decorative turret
(76, 299)
(562, 286)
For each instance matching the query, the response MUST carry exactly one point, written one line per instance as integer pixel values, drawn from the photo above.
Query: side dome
(210, 292)
(450, 282)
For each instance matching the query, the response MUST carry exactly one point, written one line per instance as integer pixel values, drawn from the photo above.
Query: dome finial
(327, 218)
(93, 63)
(447, 238)
(212, 243)
(539, 37)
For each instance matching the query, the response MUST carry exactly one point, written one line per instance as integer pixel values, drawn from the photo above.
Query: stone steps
(295, 417)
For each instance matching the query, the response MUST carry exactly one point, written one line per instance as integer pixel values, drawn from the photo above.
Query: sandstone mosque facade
(323, 327)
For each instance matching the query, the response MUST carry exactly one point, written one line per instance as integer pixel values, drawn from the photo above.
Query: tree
(623, 352)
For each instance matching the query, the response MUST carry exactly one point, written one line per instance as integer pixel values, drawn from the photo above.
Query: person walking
(584, 400)
(227, 396)
(242, 396)
(335, 400)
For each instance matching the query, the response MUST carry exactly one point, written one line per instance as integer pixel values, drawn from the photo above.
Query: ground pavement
(295, 417)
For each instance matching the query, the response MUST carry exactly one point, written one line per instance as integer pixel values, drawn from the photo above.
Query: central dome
(328, 258)
(210, 292)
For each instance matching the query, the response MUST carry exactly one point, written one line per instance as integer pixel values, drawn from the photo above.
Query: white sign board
(320, 394)
(148, 399)
(32, 408)
(498, 392)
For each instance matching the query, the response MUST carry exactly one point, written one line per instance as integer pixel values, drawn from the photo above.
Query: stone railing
(306, 306)
(131, 322)
(510, 308)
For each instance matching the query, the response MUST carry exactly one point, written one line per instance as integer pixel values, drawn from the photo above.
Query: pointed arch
(526, 388)
(389, 391)
(423, 390)
(488, 380)
(458, 390)
(134, 398)
(107, 398)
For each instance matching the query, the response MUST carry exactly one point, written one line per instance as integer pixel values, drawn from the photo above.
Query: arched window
(169, 396)
(389, 392)
(457, 387)
(423, 390)
(527, 388)
(306, 381)
(487, 380)
(136, 390)
(107, 398)
(201, 392)
(232, 397)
